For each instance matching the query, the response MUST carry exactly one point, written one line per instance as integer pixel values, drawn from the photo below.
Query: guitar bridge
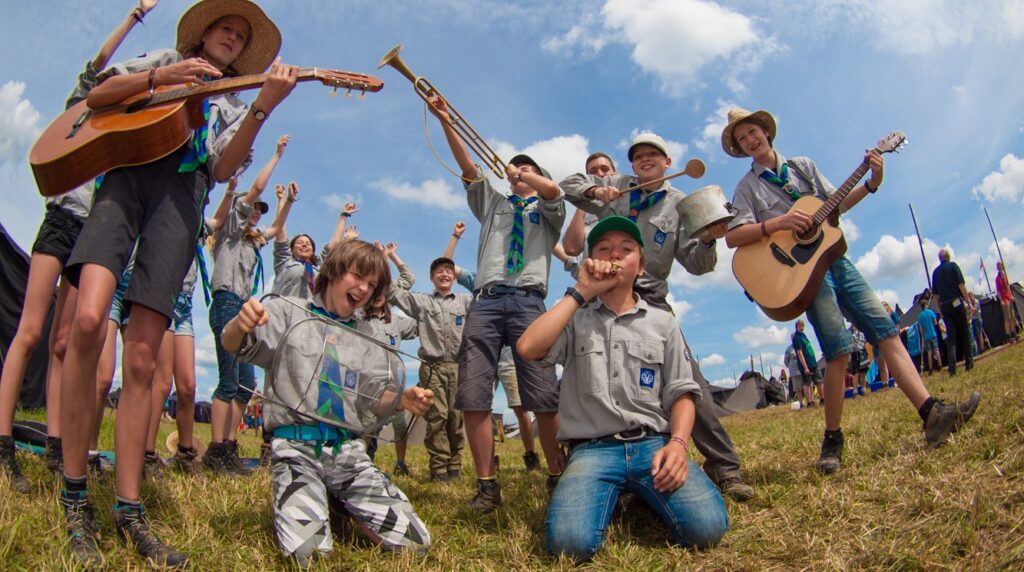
(77, 125)
(781, 255)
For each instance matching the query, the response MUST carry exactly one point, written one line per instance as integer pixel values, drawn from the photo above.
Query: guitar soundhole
(808, 237)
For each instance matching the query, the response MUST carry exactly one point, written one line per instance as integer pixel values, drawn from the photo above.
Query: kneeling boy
(314, 463)
(626, 403)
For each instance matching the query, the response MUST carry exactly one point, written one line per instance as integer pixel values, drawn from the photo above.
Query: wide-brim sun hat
(264, 41)
(737, 116)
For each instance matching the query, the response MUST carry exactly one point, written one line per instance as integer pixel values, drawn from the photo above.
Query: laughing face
(302, 248)
(752, 139)
(352, 291)
(224, 41)
(443, 277)
(649, 163)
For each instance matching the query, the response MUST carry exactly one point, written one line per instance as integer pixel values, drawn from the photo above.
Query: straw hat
(264, 38)
(172, 444)
(736, 116)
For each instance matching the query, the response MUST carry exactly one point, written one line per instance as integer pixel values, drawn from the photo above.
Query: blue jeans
(598, 472)
(232, 374)
(844, 292)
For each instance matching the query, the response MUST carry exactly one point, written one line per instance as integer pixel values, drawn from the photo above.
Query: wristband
(681, 442)
(764, 229)
(138, 14)
(867, 185)
(580, 300)
(346, 215)
(152, 80)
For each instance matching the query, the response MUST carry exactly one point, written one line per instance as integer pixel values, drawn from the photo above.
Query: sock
(125, 504)
(490, 478)
(926, 408)
(836, 433)
(150, 455)
(555, 475)
(93, 452)
(75, 485)
(52, 442)
(184, 450)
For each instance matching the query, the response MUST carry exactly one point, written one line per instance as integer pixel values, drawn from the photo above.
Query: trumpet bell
(394, 60)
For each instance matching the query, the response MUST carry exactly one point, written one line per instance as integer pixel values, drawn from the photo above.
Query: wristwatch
(709, 244)
(580, 300)
(257, 113)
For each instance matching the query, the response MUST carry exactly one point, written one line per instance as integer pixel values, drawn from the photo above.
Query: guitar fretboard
(832, 204)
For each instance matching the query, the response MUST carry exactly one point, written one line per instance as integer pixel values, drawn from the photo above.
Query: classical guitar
(782, 272)
(82, 143)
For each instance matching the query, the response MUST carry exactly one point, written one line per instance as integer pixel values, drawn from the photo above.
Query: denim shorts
(236, 380)
(181, 323)
(844, 292)
(118, 309)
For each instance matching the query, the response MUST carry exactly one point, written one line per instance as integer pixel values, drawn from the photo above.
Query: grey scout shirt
(440, 318)
(665, 237)
(621, 372)
(290, 347)
(78, 201)
(290, 274)
(756, 200)
(392, 333)
(234, 256)
(542, 225)
(226, 111)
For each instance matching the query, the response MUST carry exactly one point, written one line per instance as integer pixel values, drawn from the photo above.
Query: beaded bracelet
(681, 442)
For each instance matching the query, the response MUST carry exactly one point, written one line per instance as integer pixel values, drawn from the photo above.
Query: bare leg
(161, 387)
(237, 412)
(43, 271)
(903, 370)
(67, 297)
(481, 441)
(835, 382)
(104, 379)
(525, 428)
(547, 426)
(142, 340)
(185, 384)
(78, 392)
(400, 448)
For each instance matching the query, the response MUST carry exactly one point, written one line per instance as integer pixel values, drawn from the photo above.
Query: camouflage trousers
(302, 483)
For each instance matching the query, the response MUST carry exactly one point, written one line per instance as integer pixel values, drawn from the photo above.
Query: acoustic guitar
(782, 272)
(82, 143)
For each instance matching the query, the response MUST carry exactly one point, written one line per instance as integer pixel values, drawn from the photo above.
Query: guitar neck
(831, 206)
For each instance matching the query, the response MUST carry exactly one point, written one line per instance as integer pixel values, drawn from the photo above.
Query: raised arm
(440, 109)
(453, 242)
(260, 184)
(225, 206)
(877, 164)
(118, 35)
(406, 278)
(285, 200)
(339, 230)
(575, 235)
(545, 187)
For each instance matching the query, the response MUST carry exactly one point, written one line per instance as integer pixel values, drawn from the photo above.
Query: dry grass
(896, 505)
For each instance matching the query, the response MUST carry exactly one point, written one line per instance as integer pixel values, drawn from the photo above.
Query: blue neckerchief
(636, 205)
(258, 275)
(323, 312)
(781, 181)
(196, 155)
(514, 262)
(201, 261)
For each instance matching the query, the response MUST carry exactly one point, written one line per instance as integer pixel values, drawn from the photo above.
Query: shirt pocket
(644, 363)
(591, 364)
(665, 229)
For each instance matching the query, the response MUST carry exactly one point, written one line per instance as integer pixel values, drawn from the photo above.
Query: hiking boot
(54, 455)
(80, 523)
(552, 483)
(831, 452)
(531, 460)
(132, 526)
(945, 419)
(265, 455)
(454, 474)
(736, 489)
(10, 467)
(213, 459)
(232, 462)
(187, 462)
(95, 465)
(439, 478)
(487, 497)
(153, 468)
(402, 469)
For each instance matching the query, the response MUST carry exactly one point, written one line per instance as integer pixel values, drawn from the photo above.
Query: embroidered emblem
(535, 217)
(659, 237)
(647, 378)
(458, 320)
(350, 379)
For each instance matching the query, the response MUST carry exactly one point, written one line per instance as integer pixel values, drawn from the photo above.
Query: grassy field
(895, 505)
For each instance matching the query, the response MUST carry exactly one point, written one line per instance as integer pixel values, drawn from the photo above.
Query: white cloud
(913, 27)
(896, 258)
(713, 359)
(710, 141)
(206, 352)
(561, 156)
(1013, 254)
(724, 382)
(681, 308)
(890, 296)
(720, 276)
(336, 201)
(1005, 184)
(761, 336)
(850, 230)
(435, 193)
(19, 122)
(675, 40)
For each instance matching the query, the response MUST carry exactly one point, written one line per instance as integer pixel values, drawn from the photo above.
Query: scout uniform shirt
(756, 200)
(665, 237)
(234, 256)
(440, 318)
(542, 226)
(290, 278)
(621, 372)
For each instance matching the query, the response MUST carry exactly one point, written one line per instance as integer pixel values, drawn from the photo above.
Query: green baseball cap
(611, 223)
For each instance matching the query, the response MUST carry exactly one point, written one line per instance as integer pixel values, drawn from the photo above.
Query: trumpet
(458, 123)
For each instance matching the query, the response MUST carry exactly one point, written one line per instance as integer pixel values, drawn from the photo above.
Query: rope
(426, 133)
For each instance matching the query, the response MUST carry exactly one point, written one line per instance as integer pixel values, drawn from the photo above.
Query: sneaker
(213, 459)
(945, 419)
(487, 497)
(133, 527)
(531, 460)
(54, 455)
(83, 532)
(187, 462)
(831, 452)
(402, 469)
(9, 466)
(232, 462)
(552, 483)
(96, 465)
(153, 468)
(736, 489)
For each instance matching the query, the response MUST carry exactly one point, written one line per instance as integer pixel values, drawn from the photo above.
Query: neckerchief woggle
(514, 262)
(637, 205)
(781, 181)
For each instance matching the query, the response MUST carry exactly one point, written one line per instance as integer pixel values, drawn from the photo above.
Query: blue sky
(560, 80)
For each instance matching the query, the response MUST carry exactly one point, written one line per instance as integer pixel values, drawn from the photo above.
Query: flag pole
(920, 244)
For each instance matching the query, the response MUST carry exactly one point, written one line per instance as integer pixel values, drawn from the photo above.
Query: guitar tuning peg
(362, 95)
(348, 93)
(334, 92)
